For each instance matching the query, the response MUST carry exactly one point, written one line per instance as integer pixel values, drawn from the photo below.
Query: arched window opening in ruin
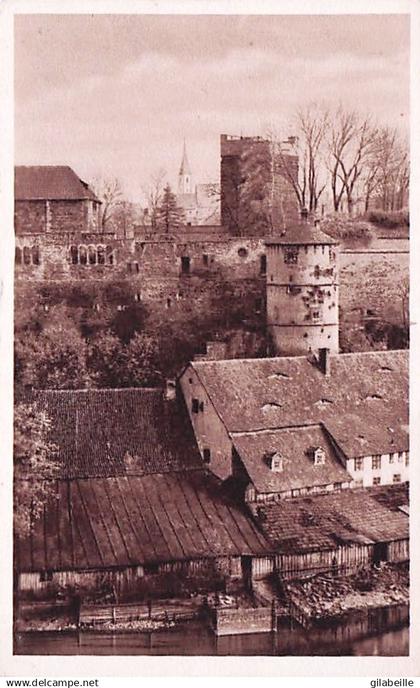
(26, 255)
(35, 255)
(92, 255)
(101, 255)
(109, 255)
(18, 256)
(82, 255)
(74, 255)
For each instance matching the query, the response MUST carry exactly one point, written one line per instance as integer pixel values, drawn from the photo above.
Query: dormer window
(319, 456)
(276, 462)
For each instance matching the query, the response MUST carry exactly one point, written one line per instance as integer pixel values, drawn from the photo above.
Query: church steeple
(184, 175)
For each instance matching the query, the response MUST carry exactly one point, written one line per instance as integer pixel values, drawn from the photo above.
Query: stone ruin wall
(226, 287)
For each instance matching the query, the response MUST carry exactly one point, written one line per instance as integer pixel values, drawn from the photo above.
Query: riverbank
(325, 597)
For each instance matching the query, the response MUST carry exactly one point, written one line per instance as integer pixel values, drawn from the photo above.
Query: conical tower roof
(185, 165)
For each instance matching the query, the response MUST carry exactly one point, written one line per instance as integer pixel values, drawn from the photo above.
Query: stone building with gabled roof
(356, 405)
(52, 199)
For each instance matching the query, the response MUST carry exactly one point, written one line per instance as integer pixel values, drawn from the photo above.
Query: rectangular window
(396, 478)
(263, 265)
(205, 259)
(391, 458)
(206, 455)
(358, 464)
(201, 406)
(185, 265)
(407, 461)
(377, 480)
(376, 462)
(195, 406)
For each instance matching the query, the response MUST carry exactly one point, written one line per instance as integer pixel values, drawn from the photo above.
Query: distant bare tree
(110, 193)
(310, 125)
(153, 194)
(350, 142)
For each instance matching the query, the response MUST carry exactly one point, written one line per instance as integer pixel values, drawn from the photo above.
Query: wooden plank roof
(108, 432)
(125, 521)
(363, 403)
(329, 521)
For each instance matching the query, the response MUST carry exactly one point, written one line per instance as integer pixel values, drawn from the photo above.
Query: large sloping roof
(50, 182)
(363, 403)
(294, 446)
(125, 521)
(328, 521)
(106, 432)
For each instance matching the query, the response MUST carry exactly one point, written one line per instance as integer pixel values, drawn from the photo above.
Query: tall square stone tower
(256, 178)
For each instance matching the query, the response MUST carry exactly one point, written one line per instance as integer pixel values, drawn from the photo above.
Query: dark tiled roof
(107, 522)
(363, 404)
(301, 233)
(97, 431)
(326, 522)
(50, 182)
(294, 446)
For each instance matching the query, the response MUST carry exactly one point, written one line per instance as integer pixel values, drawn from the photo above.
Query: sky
(116, 95)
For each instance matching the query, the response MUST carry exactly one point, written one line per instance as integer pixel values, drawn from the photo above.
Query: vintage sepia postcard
(209, 213)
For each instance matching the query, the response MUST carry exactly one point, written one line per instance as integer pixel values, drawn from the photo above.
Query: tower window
(26, 255)
(18, 256)
(263, 265)
(291, 254)
(205, 259)
(206, 455)
(195, 406)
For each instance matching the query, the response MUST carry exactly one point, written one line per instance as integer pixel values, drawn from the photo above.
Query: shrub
(389, 218)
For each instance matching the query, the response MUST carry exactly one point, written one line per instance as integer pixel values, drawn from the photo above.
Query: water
(356, 637)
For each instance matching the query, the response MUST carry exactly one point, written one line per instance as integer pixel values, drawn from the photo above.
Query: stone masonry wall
(223, 284)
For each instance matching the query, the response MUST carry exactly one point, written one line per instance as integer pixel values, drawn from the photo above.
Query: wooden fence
(232, 621)
(168, 610)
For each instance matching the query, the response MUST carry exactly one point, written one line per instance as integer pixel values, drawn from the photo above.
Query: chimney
(324, 360)
(170, 390)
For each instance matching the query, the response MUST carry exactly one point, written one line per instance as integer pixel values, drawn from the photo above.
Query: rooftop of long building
(362, 401)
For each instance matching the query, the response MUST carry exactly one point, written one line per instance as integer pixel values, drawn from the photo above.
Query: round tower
(302, 290)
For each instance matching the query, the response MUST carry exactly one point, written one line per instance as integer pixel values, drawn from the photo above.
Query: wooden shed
(338, 532)
(139, 536)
